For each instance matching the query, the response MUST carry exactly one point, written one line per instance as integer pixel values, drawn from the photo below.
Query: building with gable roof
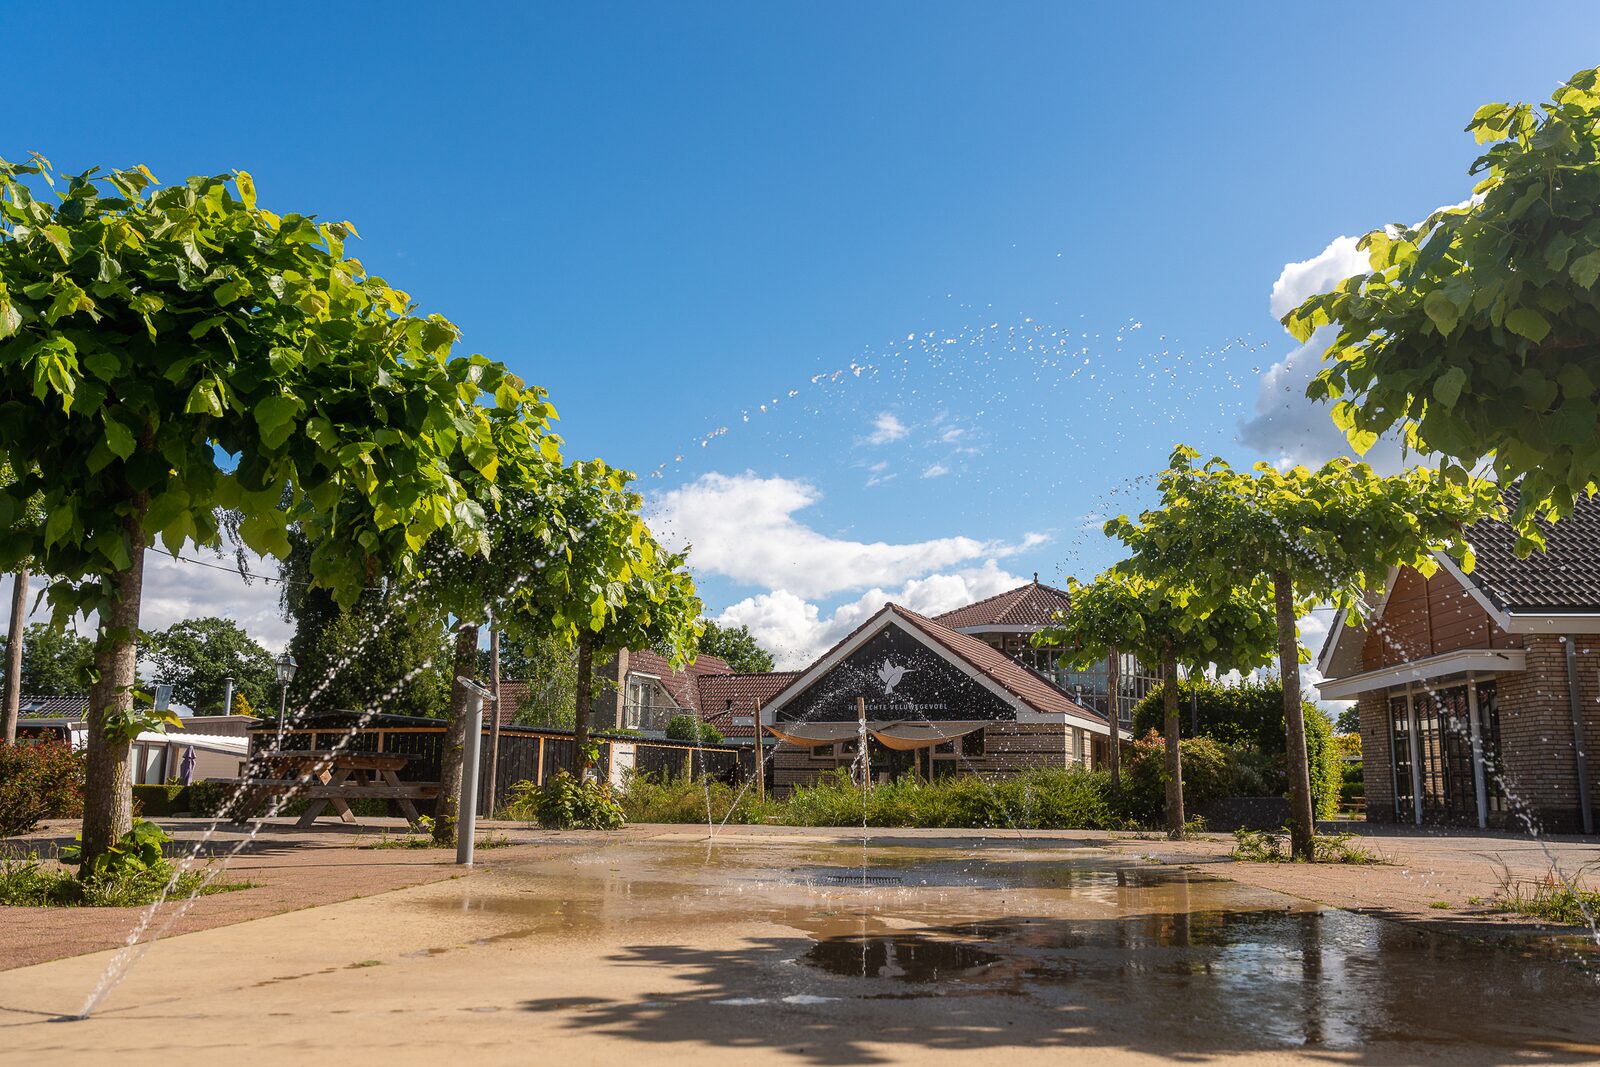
(1479, 693)
(965, 690)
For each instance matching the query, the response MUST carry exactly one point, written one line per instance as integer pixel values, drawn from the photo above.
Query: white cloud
(797, 632)
(938, 470)
(176, 589)
(1288, 428)
(743, 527)
(885, 428)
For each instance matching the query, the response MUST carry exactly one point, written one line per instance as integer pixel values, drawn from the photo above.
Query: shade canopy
(902, 735)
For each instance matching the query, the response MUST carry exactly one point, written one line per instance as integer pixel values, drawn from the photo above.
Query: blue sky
(1036, 244)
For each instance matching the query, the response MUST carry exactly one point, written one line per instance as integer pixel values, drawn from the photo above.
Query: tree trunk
(1302, 821)
(448, 809)
(494, 723)
(1169, 706)
(19, 615)
(580, 714)
(108, 782)
(1114, 742)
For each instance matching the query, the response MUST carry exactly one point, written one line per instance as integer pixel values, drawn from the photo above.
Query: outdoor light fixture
(285, 667)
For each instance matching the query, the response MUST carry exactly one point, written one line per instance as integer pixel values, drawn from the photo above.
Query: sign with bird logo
(901, 679)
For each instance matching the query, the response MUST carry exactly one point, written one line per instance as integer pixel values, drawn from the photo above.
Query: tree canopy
(1335, 531)
(1127, 612)
(55, 661)
(170, 356)
(735, 646)
(195, 656)
(1475, 331)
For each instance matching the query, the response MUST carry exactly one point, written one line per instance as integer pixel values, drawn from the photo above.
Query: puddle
(907, 958)
(1153, 955)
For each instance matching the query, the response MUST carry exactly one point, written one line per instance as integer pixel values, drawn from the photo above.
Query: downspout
(1575, 702)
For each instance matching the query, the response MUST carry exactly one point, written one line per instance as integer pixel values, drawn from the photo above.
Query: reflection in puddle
(909, 958)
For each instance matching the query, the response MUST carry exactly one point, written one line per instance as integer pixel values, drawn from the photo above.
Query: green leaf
(1526, 322)
(119, 439)
(1442, 310)
(276, 417)
(204, 399)
(10, 319)
(1585, 269)
(1448, 387)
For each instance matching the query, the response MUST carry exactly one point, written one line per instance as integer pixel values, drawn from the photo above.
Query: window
(823, 751)
(972, 744)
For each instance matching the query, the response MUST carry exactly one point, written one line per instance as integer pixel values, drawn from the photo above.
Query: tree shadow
(1191, 986)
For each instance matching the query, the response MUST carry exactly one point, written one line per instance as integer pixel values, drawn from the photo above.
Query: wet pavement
(790, 947)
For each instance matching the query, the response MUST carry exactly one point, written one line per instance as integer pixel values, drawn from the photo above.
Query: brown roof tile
(722, 696)
(1563, 578)
(1026, 607)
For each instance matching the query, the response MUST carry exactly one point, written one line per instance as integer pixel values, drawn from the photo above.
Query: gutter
(1575, 704)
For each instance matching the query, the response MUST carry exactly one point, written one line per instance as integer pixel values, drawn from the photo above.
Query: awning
(901, 735)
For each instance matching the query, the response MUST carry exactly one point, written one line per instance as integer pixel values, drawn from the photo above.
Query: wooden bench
(328, 778)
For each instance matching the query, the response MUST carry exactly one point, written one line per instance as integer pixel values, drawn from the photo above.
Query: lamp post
(285, 668)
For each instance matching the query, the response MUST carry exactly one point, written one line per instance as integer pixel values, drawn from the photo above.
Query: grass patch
(1553, 899)
(1441, 905)
(1266, 846)
(29, 882)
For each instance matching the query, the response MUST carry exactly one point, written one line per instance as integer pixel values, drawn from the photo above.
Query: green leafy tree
(548, 663)
(735, 646)
(1475, 331)
(1315, 536)
(56, 661)
(604, 583)
(11, 698)
(166, 356)
(1349, 721)
(387, 651)
(195, 655)
(1122, 611)
(476, 587)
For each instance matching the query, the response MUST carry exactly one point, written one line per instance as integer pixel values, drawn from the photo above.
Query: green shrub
(26, 881)
(675, 798)
(565, 803)
(1256, 774)
(160, 799)
(692, 728)
(1246, 715)
(38, 781)
(1043, 798)
(1207, 775)
(208, 798)
(140, 849)
(1322, 758)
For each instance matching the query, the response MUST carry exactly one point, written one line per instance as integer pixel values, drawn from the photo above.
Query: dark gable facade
(900, 679)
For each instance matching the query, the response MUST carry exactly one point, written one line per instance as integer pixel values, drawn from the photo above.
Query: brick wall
(1536, 742)
(1376, 760)
(1535, 737)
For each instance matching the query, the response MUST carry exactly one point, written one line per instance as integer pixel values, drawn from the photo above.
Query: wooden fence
(526, 753)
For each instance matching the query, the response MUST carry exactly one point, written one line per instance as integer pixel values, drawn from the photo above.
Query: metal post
(467, 816)
(494, 723)
(1479, 778)
(283, 707)
(761, 761)
(1581, 757)
(1416, 754)
(227, 695)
